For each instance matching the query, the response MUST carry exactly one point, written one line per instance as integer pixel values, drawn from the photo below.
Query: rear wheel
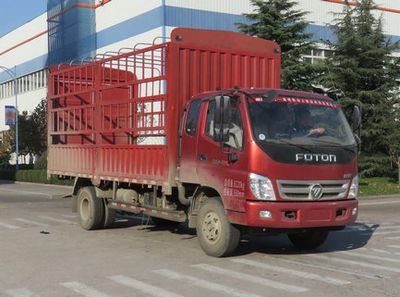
(308, 240)
(216, 235)
(91, 209)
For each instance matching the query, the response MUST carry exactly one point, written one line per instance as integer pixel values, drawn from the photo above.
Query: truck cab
(280, 161)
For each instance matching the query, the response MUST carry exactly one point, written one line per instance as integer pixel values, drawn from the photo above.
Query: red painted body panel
(308, 214)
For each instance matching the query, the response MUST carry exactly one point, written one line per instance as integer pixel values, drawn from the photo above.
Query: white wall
(225, 6)
(118, 11)
(390, 19)
(323, 13)
(20, 55)
(27, 51)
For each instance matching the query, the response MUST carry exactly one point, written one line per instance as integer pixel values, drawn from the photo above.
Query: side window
(192, 117)
(235, 129)
(210, 119)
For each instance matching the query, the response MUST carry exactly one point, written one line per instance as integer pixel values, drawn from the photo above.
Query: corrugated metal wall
(72, 30)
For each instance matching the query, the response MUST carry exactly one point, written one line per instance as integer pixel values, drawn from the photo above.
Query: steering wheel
(317, 134)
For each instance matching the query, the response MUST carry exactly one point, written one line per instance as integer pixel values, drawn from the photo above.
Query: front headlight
(261, 187)
(353, 192)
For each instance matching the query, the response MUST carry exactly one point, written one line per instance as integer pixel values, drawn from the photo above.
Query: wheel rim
(211, 227)
(85, 209)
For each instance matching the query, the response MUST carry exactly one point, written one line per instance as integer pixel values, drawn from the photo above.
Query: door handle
(202, 157)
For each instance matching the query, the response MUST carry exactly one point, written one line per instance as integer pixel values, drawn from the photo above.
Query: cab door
(223, 166)
(188, 142)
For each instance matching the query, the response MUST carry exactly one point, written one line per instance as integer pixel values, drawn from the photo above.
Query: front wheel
(217, 236)
(308, 240)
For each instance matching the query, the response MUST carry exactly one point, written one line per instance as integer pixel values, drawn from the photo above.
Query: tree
(5, 149)
(27, 136)
(278, 20)
(32, 134)
(39, 121)
(362, 71)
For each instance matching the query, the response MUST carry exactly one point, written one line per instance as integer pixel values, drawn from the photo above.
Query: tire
(217, 237)
(158, 222)
(308, 240)
(109, 215)
(90, 208)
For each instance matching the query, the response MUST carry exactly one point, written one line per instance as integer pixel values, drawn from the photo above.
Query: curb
(379, 197)
(39, 184)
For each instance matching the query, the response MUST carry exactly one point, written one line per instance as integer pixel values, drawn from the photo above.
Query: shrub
(41, 161)
(32, 176)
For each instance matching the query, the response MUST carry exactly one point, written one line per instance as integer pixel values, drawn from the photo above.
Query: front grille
(300, 190)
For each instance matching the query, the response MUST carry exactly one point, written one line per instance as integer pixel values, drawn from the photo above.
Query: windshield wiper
(292, 144)
(346, 148)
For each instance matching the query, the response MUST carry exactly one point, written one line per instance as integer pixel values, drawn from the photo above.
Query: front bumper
(288, 215)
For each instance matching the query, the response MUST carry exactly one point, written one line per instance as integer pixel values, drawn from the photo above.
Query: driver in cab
(302, 126)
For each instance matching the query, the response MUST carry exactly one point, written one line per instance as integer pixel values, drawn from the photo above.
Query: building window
(316, 55)
(27, 83)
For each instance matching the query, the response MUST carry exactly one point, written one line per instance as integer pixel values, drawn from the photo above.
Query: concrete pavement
(134, 258)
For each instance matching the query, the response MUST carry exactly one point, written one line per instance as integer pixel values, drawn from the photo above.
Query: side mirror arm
(356, 125)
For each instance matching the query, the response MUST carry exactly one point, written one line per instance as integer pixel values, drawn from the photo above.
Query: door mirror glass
(222, 118)
(358, 142)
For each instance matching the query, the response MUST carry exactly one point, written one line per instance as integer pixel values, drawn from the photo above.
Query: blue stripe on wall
(201, 19)
(30, 66)
(183, 17)
(321, 33)
(324, 33)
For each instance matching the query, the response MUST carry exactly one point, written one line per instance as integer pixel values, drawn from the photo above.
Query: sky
(14, 13)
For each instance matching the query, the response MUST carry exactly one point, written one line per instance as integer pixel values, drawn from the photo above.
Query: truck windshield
(299, 121)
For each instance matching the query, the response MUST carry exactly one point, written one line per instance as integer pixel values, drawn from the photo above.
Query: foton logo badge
(316, 158)
(316, 191)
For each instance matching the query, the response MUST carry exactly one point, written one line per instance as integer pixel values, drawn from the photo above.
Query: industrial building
(78, 31)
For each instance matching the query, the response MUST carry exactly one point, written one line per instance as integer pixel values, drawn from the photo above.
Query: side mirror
(222, 118)
(356, 121)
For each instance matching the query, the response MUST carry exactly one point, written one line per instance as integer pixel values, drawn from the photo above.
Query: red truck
(197, 130)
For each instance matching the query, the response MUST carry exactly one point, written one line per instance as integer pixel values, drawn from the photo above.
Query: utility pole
(16, 120)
